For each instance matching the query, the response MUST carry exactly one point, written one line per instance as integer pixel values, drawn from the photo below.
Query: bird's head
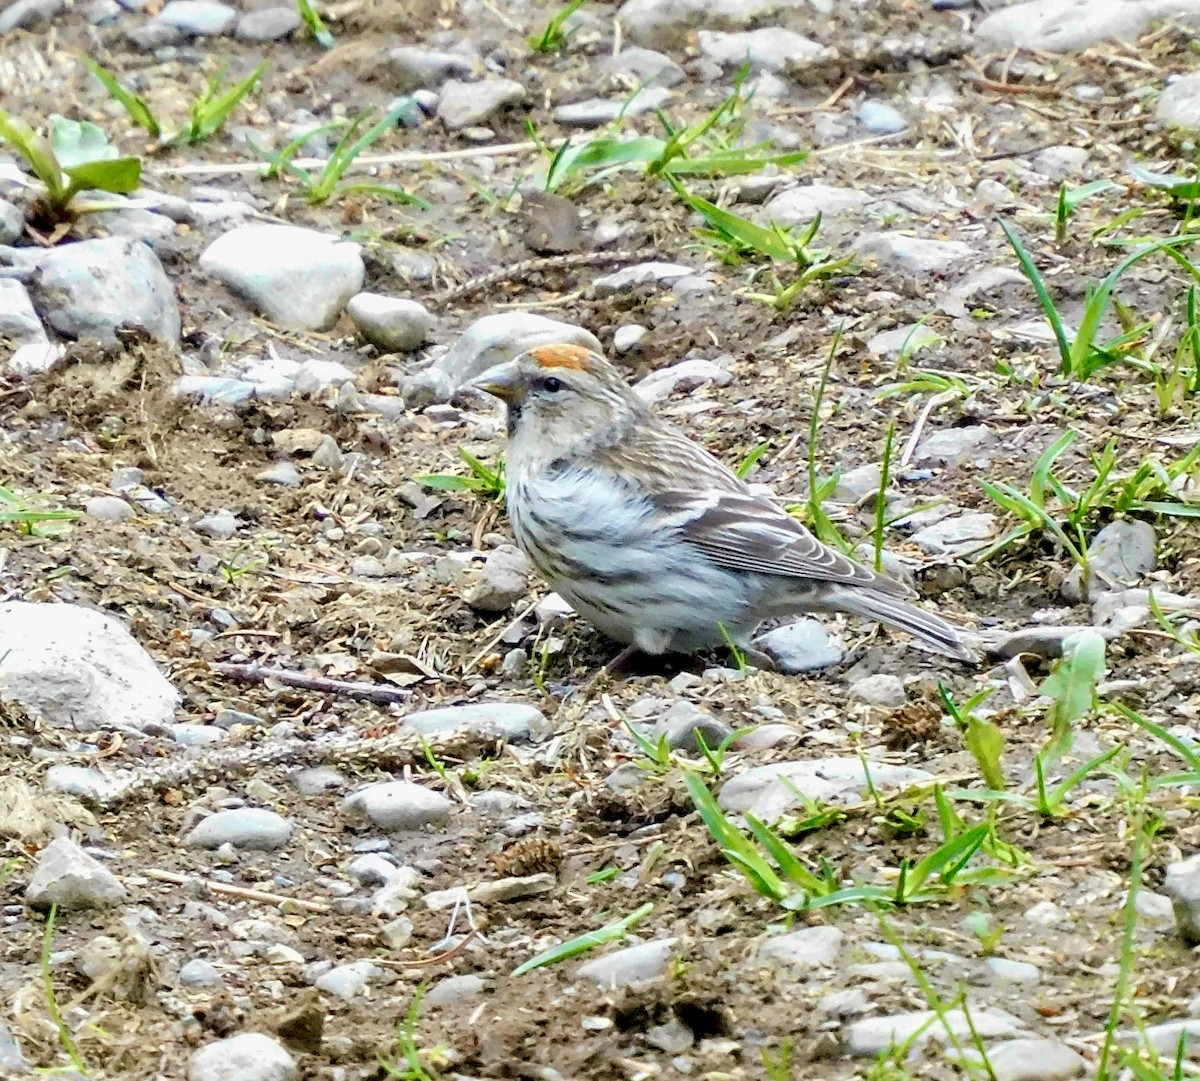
(561, 396)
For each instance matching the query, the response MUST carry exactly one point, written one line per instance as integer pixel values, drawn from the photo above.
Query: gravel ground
(256, 876)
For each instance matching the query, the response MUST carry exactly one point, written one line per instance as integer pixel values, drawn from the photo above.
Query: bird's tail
(932, 629)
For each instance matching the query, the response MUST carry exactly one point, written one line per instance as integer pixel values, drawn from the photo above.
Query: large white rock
(1062, 26)
(248, 1056)
(665, 24)
(79, 668)
(495, 339)
(298, 278)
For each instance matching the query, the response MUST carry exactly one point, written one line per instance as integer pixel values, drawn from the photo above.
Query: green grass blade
(610, 932)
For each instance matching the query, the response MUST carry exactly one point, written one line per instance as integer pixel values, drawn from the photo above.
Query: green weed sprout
(487, 480)
(610, 932)
(206, 117)
(76, 157)
(554, 36)
(315, 24)
(32, 520)
(1069, 200)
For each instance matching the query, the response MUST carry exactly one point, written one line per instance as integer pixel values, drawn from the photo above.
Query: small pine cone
(530, 856)
(918, 722)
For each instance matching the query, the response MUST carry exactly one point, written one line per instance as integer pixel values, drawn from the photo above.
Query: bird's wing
(716, 511)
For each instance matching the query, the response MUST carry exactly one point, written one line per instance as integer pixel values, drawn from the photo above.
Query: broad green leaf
(1072, 687)
(121, 176)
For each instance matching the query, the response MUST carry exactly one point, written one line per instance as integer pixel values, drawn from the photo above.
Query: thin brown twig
(246, 894)
(260, 673)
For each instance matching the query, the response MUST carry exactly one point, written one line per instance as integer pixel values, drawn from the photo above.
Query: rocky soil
(300, 761)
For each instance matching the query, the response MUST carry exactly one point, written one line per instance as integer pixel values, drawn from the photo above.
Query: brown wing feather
(716, 511)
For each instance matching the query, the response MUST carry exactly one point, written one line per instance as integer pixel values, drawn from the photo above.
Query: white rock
(685, 376)
(392, 324)
(1122, 553)
(770, 48)
(455, 989)
(79, 668)
(462, 105)
(799, 205)
(496, 339)
(91, 288)
(78, 781)
(627, 338)
(959, 534)
(1164, 1038)
(503, 580)
(19, 322)
(254, 828)
(514, 722)
(221, 525)
(802, 646)
(348, 981)
(1060, 162)
(953, 445)
(268, 24)
(594, 112)
(1066, 26)
(917, 255)
(298, 278)
(249, 1056)
(804, 950)
(621, 281)
(880, 117)
(767, 791)
(1033, 1060)
(1004, 970)
(199, 973)
(1179, 103)
(35, 357)
(397, 805)
(666, 24)
(1182, 885)
(108, 508)
(68, 877)
(909, 339)
(875, 1034)
(201, 17)
(879, 690)
(633, 964)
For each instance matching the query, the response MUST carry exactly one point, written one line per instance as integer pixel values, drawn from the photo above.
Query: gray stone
(879, 690)
(1122, 553)
(1164, 1038)
(29, 14)
(284, 473)
(454, 989)
(666, 24)
(684, 722)
(1060, 26)
(1033, 1059)
(880, 118)
(463, 105)
(767, 792)
(298, 278)
(396, 933)
(253, 828)
(12, 220)
(348, 981)
(90, 289)
(633, 964)
(1182, 886)
(858, 483)
(11, 1058)
(685, 376)
(108, 508)
(199, 973)
(317, 780)
(800, 205)
(249, 1056)
(503, 580)
(81, 782)
(595, 112)
(646, 67)
(628, 337)
(515, 722)
(328, 455)
(414, 68)
(957, 535)
(770, 48)
(68, 877)
(268, 24)
(950, 446)
(221, 525)
(496, 339)
(315, 375)
(625, 279)
(916, 255)
(34, 357)
(392, 324)
(19, 323)
(204, 18)
(135, 223)
(802, 951)
(397, 805)
(78, 668)
(803, 646)
(875, 1034)
(908, 339)
(1179, 104)
(1060, 162)
(1003, 970)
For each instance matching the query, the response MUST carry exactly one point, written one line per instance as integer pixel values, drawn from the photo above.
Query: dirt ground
(287, 581)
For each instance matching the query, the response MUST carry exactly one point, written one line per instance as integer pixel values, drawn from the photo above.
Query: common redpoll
(647, 535)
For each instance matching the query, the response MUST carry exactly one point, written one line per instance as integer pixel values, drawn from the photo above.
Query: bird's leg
(620, 660)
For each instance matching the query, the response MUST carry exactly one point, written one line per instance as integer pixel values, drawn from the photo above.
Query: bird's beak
(503, 381)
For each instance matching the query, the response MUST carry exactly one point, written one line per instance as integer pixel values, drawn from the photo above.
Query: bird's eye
(552, 384)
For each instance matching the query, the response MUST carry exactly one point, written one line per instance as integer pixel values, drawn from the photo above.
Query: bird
(652, 539)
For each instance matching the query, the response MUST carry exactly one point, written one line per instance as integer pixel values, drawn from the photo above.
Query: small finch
(647, 535)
